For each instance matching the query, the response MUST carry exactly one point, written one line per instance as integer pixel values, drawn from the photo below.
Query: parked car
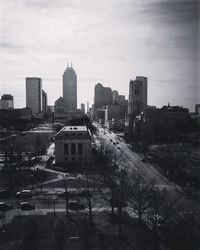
(143, 159)
(26, 206)
(66, 194)
(5, 206)
(84, 193)
(5, 194)
(75, 205)
(26, 193)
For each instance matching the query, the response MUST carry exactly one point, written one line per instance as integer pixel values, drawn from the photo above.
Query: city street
(132, 161)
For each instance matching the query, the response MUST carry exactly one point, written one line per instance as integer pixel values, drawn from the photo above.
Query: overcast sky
(108, 41)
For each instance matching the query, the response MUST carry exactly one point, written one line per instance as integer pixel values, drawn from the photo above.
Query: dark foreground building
(154, 125)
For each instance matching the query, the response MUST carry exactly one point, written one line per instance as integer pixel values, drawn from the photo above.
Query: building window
(73, 149)
(80, 159)
(66, 159)
(136, 90)
(60, 110)
(73, 159)
(66, 149)
(80, 148)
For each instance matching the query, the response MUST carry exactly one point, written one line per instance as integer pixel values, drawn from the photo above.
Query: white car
(26, 193)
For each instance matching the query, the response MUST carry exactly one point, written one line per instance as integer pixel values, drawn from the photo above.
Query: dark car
(5, 194)
(5, 206)
(74, 205)
(66, 194)
(24, 194)
(84, 193)
(26, 206)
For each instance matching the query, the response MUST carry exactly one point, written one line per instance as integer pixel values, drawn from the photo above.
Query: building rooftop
(74, 128)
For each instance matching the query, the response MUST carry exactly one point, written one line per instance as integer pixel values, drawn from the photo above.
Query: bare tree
(66, 196)
(87, 192)
(115, 181)
(162, 206)
(140, 193)
(115, 194)
(173, 159)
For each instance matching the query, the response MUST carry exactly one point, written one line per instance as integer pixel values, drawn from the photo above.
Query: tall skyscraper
(143, 80)
(137, 99)
(83, 108)
(70, 88)
(137, 95)
(44, 102)
(34, 94)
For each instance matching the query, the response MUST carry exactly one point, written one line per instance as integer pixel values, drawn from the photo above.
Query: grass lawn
(28, 142)
(184, 155)
(55, 232)
(19, 179)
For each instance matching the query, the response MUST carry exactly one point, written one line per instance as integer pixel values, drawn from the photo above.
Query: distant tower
(44, 103)
(115, 95)
(83, 108)
(102, 96)
(70, 88)
(34, 94)
(137, 95)
(137, 98)
(6, 102)
(87, 106)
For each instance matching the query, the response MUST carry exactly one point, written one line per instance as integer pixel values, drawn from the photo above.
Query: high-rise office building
(44, 102)
(137, 99)
(143, 80)
(118, 99)
(137, 95)
(6, 102)
(70, 88)
(102, 96)
(34, 94)
(115, 95)
(83, 108)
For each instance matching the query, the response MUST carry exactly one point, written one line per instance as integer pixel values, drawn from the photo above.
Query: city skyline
(108, 42)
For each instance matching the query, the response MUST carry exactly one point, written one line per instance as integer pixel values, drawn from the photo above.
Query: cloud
(109, 41)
